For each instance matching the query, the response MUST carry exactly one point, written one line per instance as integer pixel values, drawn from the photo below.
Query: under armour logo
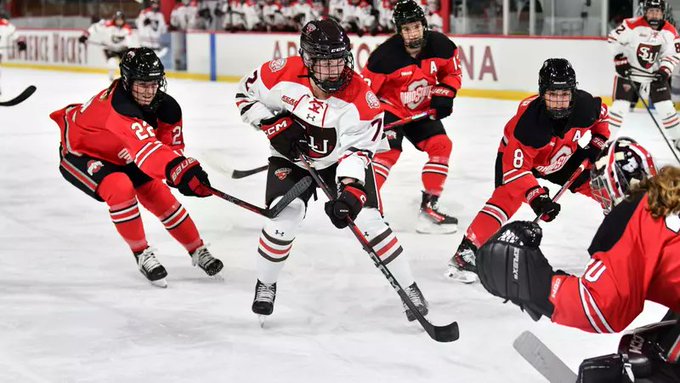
(310, 117)
(366, 234)
(279, 233)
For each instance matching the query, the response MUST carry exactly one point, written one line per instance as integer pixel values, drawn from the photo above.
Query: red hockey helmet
(620, 165)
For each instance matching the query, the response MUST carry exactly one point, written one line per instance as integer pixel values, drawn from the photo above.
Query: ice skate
(203, 259)
(462, 266)
(416, 296)
(151, 268)
(432, 220)
(263, 303)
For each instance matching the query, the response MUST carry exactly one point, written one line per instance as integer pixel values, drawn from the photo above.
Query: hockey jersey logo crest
(94, 166)
(277, 65)
(647, 54)
(282, 173)
(372, 100)
(416, 92)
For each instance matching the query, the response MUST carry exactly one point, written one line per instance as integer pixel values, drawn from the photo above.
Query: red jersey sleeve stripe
(592, 311)
(146, 151)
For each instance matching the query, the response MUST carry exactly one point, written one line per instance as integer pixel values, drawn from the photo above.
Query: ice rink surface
(74, 308)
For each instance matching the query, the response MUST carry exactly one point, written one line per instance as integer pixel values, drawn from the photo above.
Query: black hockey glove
(442, 100)
(662, 75)
(541, 204)
(147, 21)
(350, 201)
(286, 135)
(510, 265)
(21, 45)
(621, 65)
(187, 175)
(603, 369)
(82, 39)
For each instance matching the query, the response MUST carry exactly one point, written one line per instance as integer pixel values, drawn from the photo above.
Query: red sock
(382, 163)
(436, 169)
(117, 190)
(502, 205)
(157, 198)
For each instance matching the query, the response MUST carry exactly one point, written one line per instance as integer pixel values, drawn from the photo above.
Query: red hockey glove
(187, 175)
(541, 204)
(349, 203)
(285, 134)
(621, 65)
(442, 100)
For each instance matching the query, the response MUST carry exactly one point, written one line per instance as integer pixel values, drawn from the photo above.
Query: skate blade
(261, 319)
(160, 283)
(431, 228)
(217, 277)
(462, 276)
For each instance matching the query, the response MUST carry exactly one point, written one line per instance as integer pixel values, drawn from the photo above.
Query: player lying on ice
(634, 257)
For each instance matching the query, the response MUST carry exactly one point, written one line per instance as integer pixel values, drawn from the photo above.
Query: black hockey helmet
(620, 165)
(654, 4)
(119, 15)
(408, 11)
(142, 64)
(557, 74)
(320, 42)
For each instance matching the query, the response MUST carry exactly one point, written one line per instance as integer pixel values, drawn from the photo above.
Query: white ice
(74, 308)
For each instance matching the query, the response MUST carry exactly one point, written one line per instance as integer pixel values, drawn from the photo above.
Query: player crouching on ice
(119, 147)
(540, 141)
(316, 105)
(634, 257)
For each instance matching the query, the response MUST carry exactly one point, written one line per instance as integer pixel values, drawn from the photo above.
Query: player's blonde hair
(663, 192)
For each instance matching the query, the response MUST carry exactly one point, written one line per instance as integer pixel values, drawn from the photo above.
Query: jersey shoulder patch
(363, 98)
(670, 28)
(389, 57)
(614, 224)
(288, 69)
(534, 127)
(169, 110)
(438, 46)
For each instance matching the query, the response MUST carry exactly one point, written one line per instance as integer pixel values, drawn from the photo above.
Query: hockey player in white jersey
(114, 36)
(9, 38)
(151, 26)
(317, 105)
(646, 50)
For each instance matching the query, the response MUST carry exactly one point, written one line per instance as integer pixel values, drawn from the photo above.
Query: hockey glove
(510, 265)
(285, 134)
(442, 100)
(21, 45)
(350, 201)
(621, 65)
(187, 175)
(662, 75)
(541, 204)
(147, 21)
(603, 369)
(82, 39)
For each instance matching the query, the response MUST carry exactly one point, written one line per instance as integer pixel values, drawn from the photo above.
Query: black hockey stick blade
(543, 359)
(236, 174)
(20, 98)
(292, 194)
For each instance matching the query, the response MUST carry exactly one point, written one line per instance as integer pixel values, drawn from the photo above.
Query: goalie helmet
(325, 51)
(620, 165)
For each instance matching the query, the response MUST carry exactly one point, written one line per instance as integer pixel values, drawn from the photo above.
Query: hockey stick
(637, 92)
(584, 165)
(236, 174)
(446, 333)
(20, 98)
(273, 211)
(543, 359)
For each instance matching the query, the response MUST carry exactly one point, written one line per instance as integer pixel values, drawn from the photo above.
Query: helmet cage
(142, 64)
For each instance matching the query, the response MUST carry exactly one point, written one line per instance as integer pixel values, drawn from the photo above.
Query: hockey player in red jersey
(119, 147)
(540, 141)
(316, 104)
(412, 72)
(633, 259)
